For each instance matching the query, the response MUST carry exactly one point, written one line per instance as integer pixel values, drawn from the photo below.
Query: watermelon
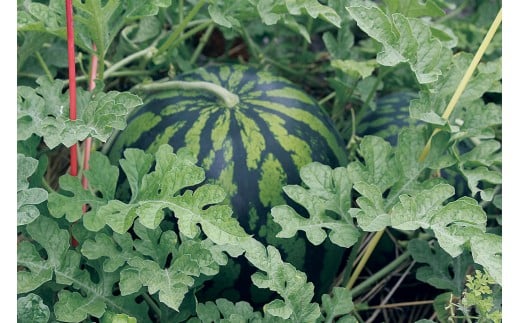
(252, 145)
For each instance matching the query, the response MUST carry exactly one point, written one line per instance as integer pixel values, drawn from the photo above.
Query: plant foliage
(85, 254)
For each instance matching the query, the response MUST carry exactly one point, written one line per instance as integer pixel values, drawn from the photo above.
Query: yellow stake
(464, 82)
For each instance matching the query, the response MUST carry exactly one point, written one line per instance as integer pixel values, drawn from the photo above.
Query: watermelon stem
(228, 98)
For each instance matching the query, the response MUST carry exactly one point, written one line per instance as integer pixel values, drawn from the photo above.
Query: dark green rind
(252, 149)
(392, 114)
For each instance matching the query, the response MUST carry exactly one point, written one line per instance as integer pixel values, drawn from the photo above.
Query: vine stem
(228, 98)
(202, 43)
(368, 252)
(465, 80)
(397, 305)
(88, 141)
(180, 28)
(128, 59)
(44, 66)
(380, 274)
(72, 84)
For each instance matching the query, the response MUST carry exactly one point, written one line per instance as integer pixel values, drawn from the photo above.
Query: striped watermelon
(252, 149)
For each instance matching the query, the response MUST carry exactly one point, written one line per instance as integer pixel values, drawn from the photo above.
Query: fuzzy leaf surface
(456, 223)
(327, 190)
(226, 311)
(403, 39)
(171, 283)
(486, 249)
(63, 266)
(440, 269)
(284, 279)
(44, 111)
(31, 309)
(27, 198)
(102, 178)
(339, 303)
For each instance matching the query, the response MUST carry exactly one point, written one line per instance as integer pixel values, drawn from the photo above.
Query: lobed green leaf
(31, 309)
(27, 198)
(414, 212)
(328, 190)
(456, 223)
(486, 249)
(190, 259)
(441, 270)
(404, 39)
(415, 8)
(73, 307)
(44, 111)
(338, 303)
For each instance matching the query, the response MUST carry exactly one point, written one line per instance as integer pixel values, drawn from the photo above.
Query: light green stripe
(299, 149)
(165, 137)
(290, 93)
(141, 124)
(253, 219)
(226, 177)
(208, 160)
(271, 181)
(220, 129)
(309, 119)
(194, 135)
(252, 138)
(224, 72)
(234, 80)
(247, 88)
(183, 105)
(209, 77)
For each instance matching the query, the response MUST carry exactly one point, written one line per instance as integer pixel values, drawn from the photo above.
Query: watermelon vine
(228, 98)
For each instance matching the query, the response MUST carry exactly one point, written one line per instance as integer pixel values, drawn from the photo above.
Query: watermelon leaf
(415, 8)
(338, 304)
(116, 250)
(482, 174)
(138, 9)
(404, 39)
(456, 223)
(413, 212)
(476, 116)
(39, 270)
(236, 15)
(103, 180)
(486, 249)
(190, 259)
(111, 317)
(30, 308)
(441, 270)
(154, 243)
(284, 279)
(222, 309)
(64, 265)
(44, 112)
(379, 168)
(371, 214)
(83, 306)
(27, 198)
(328, 190)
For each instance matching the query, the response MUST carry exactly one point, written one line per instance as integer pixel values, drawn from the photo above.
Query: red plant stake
(72, 100)
(72, 82)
